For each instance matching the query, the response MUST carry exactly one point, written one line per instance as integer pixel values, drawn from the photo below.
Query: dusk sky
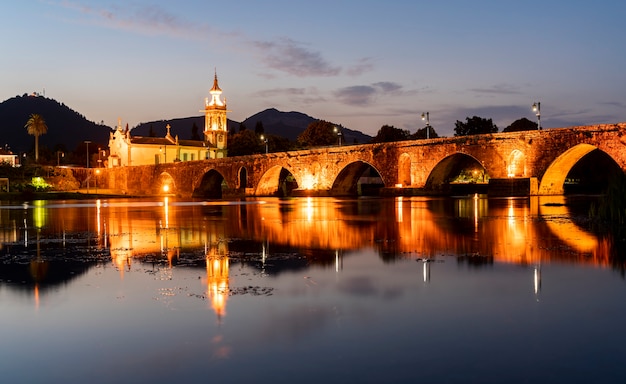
(362, 64)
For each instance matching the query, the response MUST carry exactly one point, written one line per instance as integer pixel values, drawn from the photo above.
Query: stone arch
(165, 184)
(276, 181)
(450, 167)
(243, 178)
(553, 179)
(210, 186)
(404, 170)
(516, 164)
(348, 182)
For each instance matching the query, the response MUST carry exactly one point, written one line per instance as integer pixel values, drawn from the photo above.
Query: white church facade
(127, 150)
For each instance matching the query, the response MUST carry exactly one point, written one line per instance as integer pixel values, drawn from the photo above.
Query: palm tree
(36, 126)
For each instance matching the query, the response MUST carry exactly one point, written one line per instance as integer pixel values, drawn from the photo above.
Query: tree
(388, 133)
(258, 128)
(318, 133)
(244, 143)
(421, 133)
(151, 133)
(474, 126)
(36, 126)
(194, 132)
(242, 127)
(522, 124)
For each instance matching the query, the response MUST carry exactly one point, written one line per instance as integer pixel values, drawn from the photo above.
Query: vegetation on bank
(37, 178)
(611, 209)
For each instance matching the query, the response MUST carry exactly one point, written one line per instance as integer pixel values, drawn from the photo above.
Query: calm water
(309, 291)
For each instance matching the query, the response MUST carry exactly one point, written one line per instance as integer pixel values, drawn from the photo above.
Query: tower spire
(216, 87)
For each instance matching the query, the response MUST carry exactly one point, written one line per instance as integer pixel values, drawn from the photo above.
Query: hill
(275, 122)
(67, 129)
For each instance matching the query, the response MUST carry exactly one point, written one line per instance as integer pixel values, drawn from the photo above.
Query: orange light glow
(308, 182)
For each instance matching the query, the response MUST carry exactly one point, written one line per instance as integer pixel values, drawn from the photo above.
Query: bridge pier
(513, 187)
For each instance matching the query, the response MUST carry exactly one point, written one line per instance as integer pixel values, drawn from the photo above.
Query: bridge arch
(165, 184)
(210, 185)
(243, 178)
(516, 164)
(276, 181)
(451, 168)
(553, 180)
(347, 181)
(404, 170)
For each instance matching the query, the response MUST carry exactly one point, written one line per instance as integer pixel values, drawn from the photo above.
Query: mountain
(275, 122)
(66, 127)
(291, 125)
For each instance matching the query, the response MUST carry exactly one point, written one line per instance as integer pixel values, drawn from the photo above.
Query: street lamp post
(59, 155)
(264, 139)
(87, 149)
(426, 116)
(338, 132)
(537, 110)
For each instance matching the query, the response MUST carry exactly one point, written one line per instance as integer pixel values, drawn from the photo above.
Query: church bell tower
(215, 122)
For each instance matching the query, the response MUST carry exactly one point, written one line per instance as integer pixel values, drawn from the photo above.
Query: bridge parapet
(545, 155)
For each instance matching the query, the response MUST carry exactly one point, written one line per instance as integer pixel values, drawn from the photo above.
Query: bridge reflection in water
(474, 230)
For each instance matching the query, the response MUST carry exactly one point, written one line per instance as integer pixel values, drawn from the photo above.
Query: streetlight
(59, 155)
(338, 132)
(537, 110)
(97, 174)
(264, 139)
(164, 153)
(87, 149)
(426, 116)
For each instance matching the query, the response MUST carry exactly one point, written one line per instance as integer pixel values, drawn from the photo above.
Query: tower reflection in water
(475, 230)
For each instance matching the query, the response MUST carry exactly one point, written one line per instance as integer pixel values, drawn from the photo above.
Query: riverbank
(81, 194)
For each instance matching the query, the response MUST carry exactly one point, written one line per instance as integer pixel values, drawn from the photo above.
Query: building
(8, 157)
(126, 150)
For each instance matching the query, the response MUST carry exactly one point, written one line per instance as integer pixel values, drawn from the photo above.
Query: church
(126, 150)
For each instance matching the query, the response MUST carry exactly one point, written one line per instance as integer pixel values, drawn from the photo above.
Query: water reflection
(477, 231)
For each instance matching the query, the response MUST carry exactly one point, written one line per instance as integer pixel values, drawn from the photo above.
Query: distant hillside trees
(36, 126)
(244, 143)
(388, 133)
(474, 126)
(318, 133)
(522, 124)
(422, 133)
(258, 128)
(195, 135)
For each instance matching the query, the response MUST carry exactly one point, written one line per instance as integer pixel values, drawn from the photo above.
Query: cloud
(145, 19)
(364, 95)
(364, 65)
(289, 56)
(498, 89)
(303, 96)
(356, 95)
(283, 54)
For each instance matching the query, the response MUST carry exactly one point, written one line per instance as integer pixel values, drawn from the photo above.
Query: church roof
(165, 141)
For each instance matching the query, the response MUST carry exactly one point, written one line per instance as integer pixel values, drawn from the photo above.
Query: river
(310, 290)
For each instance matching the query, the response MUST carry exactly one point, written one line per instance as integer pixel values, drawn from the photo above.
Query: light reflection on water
(311, 289)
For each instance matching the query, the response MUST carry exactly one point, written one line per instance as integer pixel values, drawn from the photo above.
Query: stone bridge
(517, 163)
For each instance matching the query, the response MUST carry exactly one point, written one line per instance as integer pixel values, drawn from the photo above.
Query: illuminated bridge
(544, 162)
